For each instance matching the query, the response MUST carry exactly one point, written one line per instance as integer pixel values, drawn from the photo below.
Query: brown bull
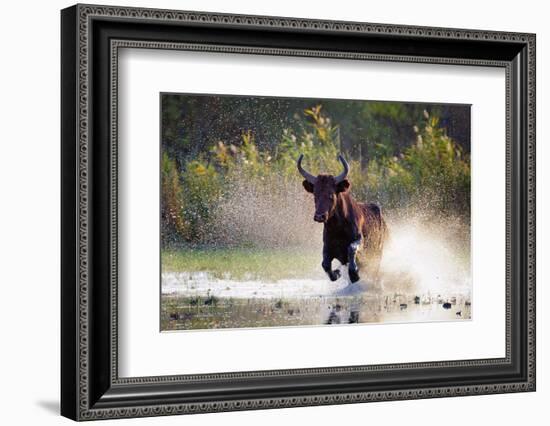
(352, 231)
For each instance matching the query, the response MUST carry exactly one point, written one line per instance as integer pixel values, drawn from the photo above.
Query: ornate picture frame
(91, 37)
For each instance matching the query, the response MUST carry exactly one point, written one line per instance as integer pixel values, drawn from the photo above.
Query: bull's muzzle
(321, 218)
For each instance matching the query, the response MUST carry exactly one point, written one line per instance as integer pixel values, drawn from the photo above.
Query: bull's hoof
(334, 275)
(353, 276)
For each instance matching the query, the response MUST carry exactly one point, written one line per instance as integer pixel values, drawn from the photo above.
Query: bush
(173, 223)
(433, 171)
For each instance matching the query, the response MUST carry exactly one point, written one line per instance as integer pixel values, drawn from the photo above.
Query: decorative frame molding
(85, 396)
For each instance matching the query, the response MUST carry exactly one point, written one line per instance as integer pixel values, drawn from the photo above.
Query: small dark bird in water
(446, 305)
(459, 314)
(210, 300)
(403, 306)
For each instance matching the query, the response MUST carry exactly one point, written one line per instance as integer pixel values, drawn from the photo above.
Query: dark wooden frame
(91, 37)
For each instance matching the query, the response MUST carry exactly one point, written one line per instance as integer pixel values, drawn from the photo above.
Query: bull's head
(325, 189)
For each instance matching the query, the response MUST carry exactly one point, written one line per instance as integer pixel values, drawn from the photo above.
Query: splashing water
(266, 214)
(425, 258)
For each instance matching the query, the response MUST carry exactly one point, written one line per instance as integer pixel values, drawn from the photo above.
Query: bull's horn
(344, 174)
(309, 177)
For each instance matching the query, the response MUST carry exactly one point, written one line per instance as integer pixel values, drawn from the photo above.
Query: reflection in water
(390, 310)
(344, 315)
(184, 313)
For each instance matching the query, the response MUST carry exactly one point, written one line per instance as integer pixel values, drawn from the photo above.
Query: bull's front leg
(327, 265)
(352, 263)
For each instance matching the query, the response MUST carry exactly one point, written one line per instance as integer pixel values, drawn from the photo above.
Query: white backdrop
(29, 225)
(141, 345)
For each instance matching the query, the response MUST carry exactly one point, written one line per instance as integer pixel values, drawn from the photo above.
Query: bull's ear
(343, 186)
(308, 186)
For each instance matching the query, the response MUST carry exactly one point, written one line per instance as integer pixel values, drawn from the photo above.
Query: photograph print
(279, 212)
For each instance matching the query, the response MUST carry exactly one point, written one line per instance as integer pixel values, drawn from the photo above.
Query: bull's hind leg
(327, 266)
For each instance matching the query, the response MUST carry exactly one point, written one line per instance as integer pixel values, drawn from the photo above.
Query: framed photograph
(263, 212)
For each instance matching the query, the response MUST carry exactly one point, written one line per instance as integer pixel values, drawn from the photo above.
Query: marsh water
(198, 301)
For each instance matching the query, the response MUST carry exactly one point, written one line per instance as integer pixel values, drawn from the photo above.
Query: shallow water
(197, 301)
(182, 313)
